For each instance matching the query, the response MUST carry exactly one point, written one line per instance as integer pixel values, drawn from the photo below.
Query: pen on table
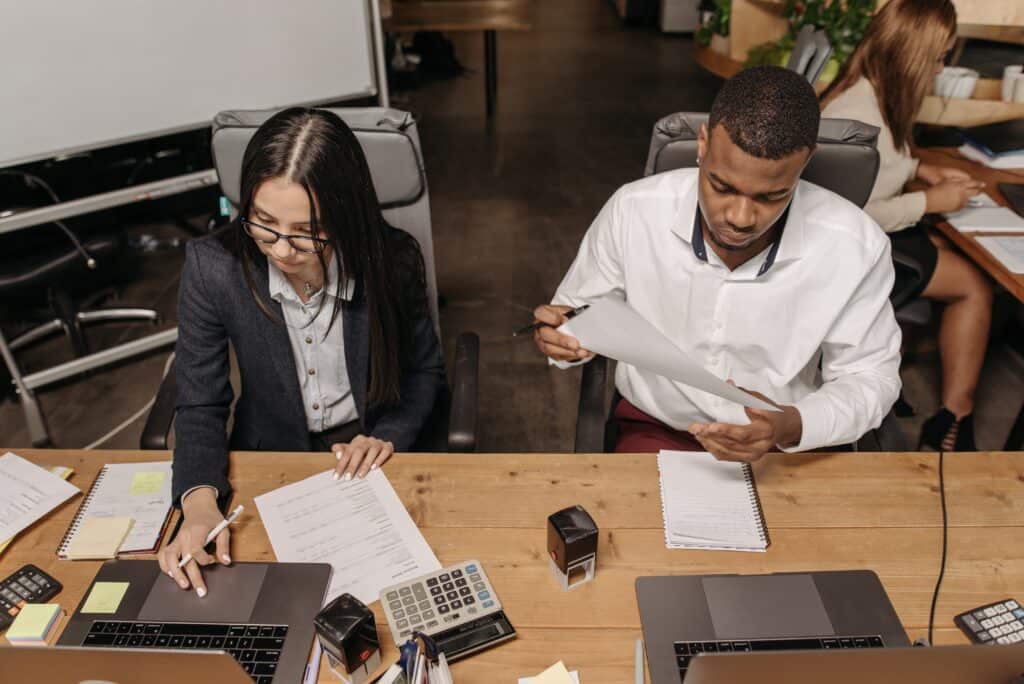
(535, 326)
(213, 533)
(639, 668)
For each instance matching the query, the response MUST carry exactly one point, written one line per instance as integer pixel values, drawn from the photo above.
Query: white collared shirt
(319, 353)
(822, 302)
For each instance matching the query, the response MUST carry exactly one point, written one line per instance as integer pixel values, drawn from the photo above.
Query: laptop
(259, 613)
(683, 616)
(60, 665)
(942, 665)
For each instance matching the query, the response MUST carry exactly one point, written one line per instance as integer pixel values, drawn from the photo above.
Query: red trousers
(639, 433)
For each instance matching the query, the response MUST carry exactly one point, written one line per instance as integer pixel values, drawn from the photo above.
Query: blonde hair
(897, 55)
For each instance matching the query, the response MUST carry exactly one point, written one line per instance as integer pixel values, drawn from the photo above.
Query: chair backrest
(846, 161)
(810, 53)
(391, 143)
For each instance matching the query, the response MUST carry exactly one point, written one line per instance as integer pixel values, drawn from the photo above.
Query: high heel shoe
(944, 432)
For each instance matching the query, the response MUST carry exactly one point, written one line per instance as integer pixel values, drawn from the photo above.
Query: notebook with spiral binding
(140, 491)
(710, 504)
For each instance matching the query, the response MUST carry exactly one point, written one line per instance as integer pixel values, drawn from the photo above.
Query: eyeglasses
(268, 236)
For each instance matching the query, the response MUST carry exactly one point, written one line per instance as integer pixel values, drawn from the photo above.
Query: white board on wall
(82, 74)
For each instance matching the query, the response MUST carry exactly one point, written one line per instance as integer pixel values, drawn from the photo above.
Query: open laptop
(260, 613)
(942, 665)
(60, 665)
(683, 616)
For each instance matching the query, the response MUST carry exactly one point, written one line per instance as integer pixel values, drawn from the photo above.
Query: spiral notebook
(710, 504)
(140, 491)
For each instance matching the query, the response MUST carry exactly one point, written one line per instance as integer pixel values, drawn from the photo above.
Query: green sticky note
(147, 482)
(105, 597)
(33, 622)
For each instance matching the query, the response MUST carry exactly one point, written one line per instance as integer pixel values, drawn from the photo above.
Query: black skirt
(913, 242)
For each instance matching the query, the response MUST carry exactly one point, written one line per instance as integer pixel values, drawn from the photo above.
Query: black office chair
(846, 163)
(390, 140)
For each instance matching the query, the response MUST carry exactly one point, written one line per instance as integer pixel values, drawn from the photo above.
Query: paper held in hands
(612, 328)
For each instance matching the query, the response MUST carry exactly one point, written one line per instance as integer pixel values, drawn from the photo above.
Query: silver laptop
(942, 665)
(259, 613)
(684, 616)
(60, 665)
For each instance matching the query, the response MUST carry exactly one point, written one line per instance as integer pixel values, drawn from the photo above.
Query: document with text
(27, 493)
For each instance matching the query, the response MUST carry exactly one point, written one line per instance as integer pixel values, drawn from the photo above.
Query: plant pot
(719, 44)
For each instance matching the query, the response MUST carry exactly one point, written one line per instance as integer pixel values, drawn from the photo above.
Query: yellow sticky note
(147, 482)
(99, 538)
(556, 674)
(33, 622)
(105, 597)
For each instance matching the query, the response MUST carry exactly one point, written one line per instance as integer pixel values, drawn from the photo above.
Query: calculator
(27, 585)
(456, 606)
(998, 623)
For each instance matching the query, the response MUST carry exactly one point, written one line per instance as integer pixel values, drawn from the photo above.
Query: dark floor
(510, 201)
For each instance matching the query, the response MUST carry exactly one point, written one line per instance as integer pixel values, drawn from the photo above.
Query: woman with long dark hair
(883, 84)
(325, 306)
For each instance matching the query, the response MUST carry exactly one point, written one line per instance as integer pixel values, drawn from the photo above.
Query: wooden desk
(968, 244)
(489, 16)
(844, 511)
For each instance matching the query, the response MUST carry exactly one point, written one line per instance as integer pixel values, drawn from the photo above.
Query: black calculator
(1001, 622)
(27, 585)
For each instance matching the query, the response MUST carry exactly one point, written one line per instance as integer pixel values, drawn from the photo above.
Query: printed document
(1009, 250)
(27, 493)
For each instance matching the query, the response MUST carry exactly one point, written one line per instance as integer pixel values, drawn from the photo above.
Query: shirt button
(309, 340)
(316, 406)
(312, 371)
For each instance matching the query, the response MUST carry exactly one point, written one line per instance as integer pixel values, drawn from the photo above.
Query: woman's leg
(963, 333)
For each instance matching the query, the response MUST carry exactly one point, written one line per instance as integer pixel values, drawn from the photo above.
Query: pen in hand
(213, 533)
(537, 325)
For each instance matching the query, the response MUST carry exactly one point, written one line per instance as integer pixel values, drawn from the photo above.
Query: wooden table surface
(825, 512)
(943, 156)
(459, 15)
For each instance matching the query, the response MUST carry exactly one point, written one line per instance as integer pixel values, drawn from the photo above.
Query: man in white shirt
(765, 280)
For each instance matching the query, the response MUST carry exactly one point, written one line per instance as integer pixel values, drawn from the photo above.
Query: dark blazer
(215, 306)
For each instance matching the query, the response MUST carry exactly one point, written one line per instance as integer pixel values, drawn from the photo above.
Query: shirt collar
(281, 289)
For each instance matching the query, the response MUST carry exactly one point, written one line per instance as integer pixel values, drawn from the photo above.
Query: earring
(698, 161)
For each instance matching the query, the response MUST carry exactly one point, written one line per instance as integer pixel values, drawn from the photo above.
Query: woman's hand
(360, 456)
(950, 195)
(933, 175)
(200, 516)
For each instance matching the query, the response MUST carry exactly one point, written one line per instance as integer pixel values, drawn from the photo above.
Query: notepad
(710, 504)
(99, 538)
(1008, 250)
(986, 220)
(140, 491)
(556, 674)
(34, 625)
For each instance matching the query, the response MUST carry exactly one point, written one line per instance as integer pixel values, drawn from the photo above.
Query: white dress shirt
(319, 353)
(807, 322)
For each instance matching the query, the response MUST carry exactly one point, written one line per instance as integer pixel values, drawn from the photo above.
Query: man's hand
(201, 515)
(552, 343)
(749, 443)
(360, 456)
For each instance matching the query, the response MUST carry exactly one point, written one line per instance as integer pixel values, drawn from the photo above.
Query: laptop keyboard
(257, 648)
(685, 650)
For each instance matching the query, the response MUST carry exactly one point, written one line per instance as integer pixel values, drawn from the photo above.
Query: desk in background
(827, 512)
(966, 242)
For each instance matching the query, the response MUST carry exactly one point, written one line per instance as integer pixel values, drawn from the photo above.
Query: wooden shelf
(984, 108)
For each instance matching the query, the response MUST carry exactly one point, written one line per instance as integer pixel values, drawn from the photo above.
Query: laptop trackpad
(232, 595)
(766, 606)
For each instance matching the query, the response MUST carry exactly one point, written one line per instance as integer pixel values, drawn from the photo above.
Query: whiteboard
(82, 74)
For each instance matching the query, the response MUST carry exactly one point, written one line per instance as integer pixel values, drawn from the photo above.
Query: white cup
(1018, 89)
(956, 83)
(1011, 76)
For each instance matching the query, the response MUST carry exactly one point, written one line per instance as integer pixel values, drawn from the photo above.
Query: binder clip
(572, 546)
(348, 634)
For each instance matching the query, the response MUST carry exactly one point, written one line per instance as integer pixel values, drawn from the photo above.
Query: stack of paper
(99, 538)
(986, 219)
(556, 674)
(60, 471)
(27, 493)
(1008, 250)
(34, 625)
(709, 504)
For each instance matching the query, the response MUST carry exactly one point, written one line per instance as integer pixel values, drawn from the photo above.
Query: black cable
(945, 534)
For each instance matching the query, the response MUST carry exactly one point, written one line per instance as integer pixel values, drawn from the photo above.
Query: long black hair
(315, 149)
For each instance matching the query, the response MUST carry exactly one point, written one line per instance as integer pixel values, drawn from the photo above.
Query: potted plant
(714, 29)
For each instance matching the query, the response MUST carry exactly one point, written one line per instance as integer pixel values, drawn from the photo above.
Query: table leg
(491, 67)
(1015, 441)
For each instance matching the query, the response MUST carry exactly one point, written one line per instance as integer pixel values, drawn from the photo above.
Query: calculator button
(469, 600)
(405, 633)
(432, 582)
(484, 595)
(432, 623)
(1003, 640)
(418, 592)
(9, 595)
(1016, 638)
(984, 636)
(471, 568)
(996, 631)
(28, 584)
(443, 609)
(448, 586)
(438, 600)
(436, 591)
(456, 573)
(445, 577)
(456, 605)
(424, 605)
(405, 591)
(452, 595)
(412, 609)
(402, 624)
(972, 623)
(474, 578)
(1019, 613)
(987, 622)
(461, 582)
(415, 619)
(479, 586)
(1012, 605)
(409, 601)
(1000, 608)
(488, 604)
(399, 614)
(1016, 625)
(465, 591)
(391, 595)
(395, 605)
(428, 614)
(990, 612)
(20, 591)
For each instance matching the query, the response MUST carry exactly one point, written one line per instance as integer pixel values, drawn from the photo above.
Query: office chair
(52, 259)
(390, 140)
(846, 162)
(810, 53)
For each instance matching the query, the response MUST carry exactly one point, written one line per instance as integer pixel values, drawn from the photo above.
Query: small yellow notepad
(556, 674)
(34, 623)
(105, 597)
(99, 538)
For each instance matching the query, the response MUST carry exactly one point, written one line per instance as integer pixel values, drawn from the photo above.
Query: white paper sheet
(1014, 160)
(612, 328)
(986, 220)
(27, 493)
(360, 527)
(1008, 250)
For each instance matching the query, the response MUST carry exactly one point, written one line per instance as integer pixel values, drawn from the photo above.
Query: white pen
(213, 533)
(639, 665)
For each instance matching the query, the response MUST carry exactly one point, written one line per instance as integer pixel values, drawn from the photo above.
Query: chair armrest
(465, 385)
(161, 415)
(592, 413)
